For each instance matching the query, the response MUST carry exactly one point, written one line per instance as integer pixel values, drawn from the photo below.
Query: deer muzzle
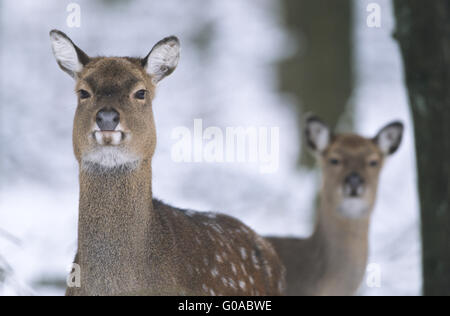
(354, 185)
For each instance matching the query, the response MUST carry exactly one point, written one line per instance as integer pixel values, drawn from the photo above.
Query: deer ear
(70, 58)
(390, 138)
(317, 134)
(163, 58)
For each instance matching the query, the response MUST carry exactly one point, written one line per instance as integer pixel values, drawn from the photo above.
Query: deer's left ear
(162, 59)
(69, 56)
(317, 134)
(390, 138)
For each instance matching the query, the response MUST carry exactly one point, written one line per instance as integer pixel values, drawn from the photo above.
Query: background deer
(129, 243)
(333, 260)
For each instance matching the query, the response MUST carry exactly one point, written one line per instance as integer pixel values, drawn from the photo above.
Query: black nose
(107, 120)
(354, 184)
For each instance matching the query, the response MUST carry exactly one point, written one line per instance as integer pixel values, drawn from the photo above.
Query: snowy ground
(227, 77)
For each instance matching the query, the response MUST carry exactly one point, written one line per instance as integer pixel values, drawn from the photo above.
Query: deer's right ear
(390, 138)
(70, 58)
(317, 134)
(162, 59)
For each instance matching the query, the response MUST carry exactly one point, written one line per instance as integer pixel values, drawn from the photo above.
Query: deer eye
(335, 161)
(140, 94)
(374, 163)
(84, 94)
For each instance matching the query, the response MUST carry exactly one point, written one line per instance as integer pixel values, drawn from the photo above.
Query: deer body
(330, 262)
(129, 243)
(333, 260)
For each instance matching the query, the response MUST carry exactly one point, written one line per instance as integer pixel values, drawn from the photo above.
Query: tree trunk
(423, 31)
(319, 76)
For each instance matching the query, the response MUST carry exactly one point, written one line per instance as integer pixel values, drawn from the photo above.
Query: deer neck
(115, 214)
(343, 248)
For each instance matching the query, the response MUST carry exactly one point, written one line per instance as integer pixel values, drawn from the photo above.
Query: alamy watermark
(257, 145)
(374, 17)
(74, 17)
(373, 276)
(74, 278)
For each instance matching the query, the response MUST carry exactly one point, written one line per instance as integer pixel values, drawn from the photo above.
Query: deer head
(114, 126)
(351, 165)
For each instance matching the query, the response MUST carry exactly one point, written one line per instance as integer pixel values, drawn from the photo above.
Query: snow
(226, 77)
(381, 98)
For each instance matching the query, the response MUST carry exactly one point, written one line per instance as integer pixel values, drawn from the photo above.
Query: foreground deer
(333, 260)
(128, 243)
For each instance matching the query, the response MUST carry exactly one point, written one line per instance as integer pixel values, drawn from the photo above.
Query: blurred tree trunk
(423, 31)
(319, 75)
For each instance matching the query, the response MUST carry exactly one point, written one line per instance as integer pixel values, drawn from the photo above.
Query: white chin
(109, 157)
(354, 208)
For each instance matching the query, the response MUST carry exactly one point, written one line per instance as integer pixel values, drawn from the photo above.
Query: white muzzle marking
(111, 138)
(109, 154)
(108, 138)
(354, 208)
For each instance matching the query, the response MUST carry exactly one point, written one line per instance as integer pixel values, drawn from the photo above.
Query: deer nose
(354, 184)
(107, 120)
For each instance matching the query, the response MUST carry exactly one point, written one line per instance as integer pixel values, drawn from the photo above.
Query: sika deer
(333, 260)
(128, 243)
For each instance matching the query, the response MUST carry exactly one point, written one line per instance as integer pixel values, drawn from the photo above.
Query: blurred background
(244, 63)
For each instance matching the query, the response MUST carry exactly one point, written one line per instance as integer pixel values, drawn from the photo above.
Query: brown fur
(333, 260)
(130, 244)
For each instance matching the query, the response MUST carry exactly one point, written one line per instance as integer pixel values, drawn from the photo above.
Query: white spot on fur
(217, 228)
(233, 268)
(252, 281)
(232, 283)
(219, 259)
(224, 281)
(243, 269)
(212, 292)
(269, 271)
(205, 288)
(255, 260)
(224, 256)
(214, 272)
(242, 285)
(243, 253)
